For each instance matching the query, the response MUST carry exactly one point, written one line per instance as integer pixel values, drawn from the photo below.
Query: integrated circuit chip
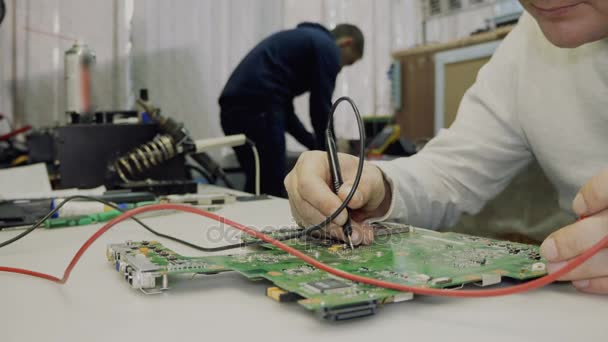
(328, 286)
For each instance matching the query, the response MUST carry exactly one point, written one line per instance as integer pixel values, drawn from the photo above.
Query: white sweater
(532, 100)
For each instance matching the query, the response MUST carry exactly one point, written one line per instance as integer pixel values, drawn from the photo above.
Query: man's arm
(472, 161)
(294, 126)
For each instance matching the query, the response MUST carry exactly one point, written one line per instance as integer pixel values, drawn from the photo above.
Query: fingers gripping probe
(336, 177)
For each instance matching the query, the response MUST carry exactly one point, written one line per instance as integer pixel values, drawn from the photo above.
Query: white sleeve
(471, 162)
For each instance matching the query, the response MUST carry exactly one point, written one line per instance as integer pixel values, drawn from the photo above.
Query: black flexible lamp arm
(2, 11)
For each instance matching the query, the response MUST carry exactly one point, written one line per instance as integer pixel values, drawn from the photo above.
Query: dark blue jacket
(283, 66)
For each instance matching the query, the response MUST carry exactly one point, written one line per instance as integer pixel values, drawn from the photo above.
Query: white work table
(97, 305)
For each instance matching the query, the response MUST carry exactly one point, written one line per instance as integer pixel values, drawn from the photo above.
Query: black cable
(299, 234)
(2, 10)
(350, 195)
(226, 181)
(39, 223)
(113, 206)
(201, 172)
(356, 181)
(206, 162)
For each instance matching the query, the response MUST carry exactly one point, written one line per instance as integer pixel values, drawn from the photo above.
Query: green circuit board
(400, 253)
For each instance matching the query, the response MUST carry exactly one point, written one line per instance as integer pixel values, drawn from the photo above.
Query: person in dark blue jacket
(258, 97)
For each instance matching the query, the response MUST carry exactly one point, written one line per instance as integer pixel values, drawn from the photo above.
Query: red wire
(360, 279)
(15, 133)
(50, 34)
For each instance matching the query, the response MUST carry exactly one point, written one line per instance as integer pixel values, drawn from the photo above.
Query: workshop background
(190, 47)
(184, 51)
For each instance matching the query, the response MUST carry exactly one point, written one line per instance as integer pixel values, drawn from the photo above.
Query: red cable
(16, 132)
(50, 34)
(360, 279)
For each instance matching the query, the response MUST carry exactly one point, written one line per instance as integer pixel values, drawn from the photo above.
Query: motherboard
(400, 253)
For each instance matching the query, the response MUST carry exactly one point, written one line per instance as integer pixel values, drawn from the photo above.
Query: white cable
(256, 156)
(203, 145)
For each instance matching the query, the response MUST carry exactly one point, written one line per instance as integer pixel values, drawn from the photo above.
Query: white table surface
(97, 305)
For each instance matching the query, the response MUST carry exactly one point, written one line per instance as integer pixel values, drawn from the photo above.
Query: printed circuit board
(400, 253)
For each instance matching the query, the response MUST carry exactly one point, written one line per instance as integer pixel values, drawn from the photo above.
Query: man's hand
(312, 200)
(591, 202)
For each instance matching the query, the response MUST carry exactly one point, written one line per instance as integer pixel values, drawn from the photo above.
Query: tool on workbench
(336, 177)
(201, 199)
(175, 140)
(86, 213)
(83, 208)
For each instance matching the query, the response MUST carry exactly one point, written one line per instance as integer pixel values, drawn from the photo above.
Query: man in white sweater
(543, 96)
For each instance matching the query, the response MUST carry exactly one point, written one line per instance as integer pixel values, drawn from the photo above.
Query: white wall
(463, 23)
(31, 64)
(184, 51)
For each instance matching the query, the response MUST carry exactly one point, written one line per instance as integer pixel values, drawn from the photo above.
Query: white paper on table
(63, 193)
(32, 182)
(24, 182)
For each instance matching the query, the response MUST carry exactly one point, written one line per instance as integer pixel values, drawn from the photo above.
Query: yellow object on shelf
(389, 135)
